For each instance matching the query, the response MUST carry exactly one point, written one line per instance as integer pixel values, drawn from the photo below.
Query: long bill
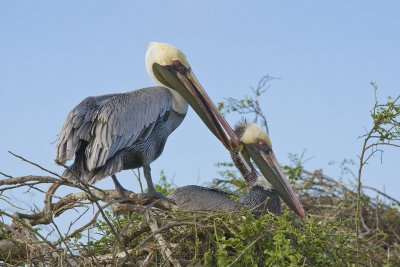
(272, 171)
(184, 81)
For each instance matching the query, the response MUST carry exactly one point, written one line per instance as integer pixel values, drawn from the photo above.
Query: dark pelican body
(115, 132)
(261, 197)
(258, 199)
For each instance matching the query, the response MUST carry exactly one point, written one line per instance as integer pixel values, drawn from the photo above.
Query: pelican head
(163, 54)
(256, 146)
(251, 133)
(168, 66)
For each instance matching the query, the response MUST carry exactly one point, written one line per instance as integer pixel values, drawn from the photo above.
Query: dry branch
(151, 238)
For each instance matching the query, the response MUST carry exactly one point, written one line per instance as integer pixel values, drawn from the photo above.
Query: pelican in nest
(261, 197)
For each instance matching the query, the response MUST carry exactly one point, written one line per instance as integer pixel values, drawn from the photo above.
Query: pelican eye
(264, 145)
(179, 67)
(261, 142)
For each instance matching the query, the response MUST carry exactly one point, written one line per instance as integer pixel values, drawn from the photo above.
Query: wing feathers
(110, 123)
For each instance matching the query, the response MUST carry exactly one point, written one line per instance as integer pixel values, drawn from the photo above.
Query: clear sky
(53, 54)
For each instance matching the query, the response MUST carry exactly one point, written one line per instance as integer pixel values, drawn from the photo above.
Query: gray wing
(110, 123)
(193, 197)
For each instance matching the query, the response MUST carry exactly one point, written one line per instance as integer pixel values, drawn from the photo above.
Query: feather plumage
(98, 129)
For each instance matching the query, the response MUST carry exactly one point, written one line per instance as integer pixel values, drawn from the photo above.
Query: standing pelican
(261, 197)
(115, 132)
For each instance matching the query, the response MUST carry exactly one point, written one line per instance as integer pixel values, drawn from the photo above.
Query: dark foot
(121, 190)
(152, 193)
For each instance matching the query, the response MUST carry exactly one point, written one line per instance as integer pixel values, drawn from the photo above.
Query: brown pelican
(175, 72)
(261, 197)
(115, 132)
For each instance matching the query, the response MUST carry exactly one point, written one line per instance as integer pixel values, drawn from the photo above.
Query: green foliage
(295, 169)
(240, 239)
(240, 104)
(385, 118)
(103, 239)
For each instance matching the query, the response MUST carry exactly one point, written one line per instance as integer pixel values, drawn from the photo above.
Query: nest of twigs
(132, 231)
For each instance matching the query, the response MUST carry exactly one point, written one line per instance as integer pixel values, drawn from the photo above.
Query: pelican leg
(150, 187)
(121, 190)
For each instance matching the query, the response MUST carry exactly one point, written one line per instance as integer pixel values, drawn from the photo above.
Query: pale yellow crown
(163, 54)
(253, 133)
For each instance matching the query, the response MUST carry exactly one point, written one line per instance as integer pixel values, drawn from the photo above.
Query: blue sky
(54, 54)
